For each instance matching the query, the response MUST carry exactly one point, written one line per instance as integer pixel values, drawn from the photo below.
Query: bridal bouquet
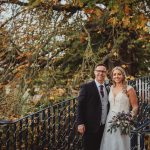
(124, 121)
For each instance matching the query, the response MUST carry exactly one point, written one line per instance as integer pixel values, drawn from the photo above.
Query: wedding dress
(114, 140)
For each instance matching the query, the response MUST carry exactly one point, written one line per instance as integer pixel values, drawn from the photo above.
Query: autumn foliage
(48, 48)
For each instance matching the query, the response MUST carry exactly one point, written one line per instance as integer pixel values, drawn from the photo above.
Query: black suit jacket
(89, 106)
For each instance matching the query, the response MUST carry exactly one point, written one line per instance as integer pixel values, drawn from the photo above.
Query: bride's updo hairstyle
(124, 81)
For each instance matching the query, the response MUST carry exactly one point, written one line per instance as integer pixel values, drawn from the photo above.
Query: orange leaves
(83, 37)
(94, 13)
(89, 11)
(22, 67)
(26, 54)
(54, 1)
(18, 75)
(113, 15)
(120, 7)
(142, 20)
(20, 70)
(13, 117)
(1, 86)
(55, 93)
(125, 21)
(127, 9)
(113, 21)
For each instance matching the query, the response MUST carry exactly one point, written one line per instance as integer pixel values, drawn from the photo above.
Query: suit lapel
(95, 90)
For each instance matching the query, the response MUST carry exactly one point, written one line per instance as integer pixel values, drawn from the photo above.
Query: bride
(121, 97)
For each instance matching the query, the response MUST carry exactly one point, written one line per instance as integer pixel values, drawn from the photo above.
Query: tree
(49, 45)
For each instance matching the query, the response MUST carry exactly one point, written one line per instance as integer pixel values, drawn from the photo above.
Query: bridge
(54, 128)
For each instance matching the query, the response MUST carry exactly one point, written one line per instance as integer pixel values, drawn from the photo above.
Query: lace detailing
(116, 141)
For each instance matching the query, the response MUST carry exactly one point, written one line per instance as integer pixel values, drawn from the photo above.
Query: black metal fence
(53, 128)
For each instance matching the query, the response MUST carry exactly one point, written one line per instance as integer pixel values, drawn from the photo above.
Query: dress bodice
(120, 102)
(116, 141)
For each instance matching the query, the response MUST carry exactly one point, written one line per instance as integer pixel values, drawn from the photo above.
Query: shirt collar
(98, 84)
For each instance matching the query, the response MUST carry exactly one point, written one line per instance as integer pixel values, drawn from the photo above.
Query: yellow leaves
(114, 10)
(125, 21)
(54, 1)
(142, 20)
(120, 16)
(56, 92)
(77, 3)
(21, 67)
(60, 91)
(14, 117)
(88, 53)
(51, 97)
(129, 77)
(113, 21)
(124, 66)
(98, 12)
(146, 29)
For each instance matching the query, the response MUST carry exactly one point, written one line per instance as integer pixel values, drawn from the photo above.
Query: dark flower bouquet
(124, 121)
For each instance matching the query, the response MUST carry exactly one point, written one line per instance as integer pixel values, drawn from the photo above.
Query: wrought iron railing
(53, 128)
(139, 135)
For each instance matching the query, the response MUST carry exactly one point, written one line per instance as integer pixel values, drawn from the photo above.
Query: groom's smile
(100, 74)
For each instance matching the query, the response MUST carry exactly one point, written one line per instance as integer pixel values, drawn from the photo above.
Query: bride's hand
(134, 111)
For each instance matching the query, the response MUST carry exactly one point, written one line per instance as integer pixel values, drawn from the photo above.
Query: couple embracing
(98, 102)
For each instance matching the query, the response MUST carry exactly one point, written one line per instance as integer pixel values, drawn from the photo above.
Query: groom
(92, 109)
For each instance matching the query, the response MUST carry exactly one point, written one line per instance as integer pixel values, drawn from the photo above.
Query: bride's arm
(133, 101)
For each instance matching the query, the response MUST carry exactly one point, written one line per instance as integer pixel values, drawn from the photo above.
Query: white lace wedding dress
(114, 140)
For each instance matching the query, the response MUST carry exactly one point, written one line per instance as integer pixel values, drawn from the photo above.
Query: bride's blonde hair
(124, 81)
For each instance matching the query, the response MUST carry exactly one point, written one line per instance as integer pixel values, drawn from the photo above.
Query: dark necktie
(101, 90)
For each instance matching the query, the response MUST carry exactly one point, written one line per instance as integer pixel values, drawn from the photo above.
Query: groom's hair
(100, 64)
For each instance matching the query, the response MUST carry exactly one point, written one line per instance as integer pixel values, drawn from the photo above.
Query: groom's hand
(81, 128)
